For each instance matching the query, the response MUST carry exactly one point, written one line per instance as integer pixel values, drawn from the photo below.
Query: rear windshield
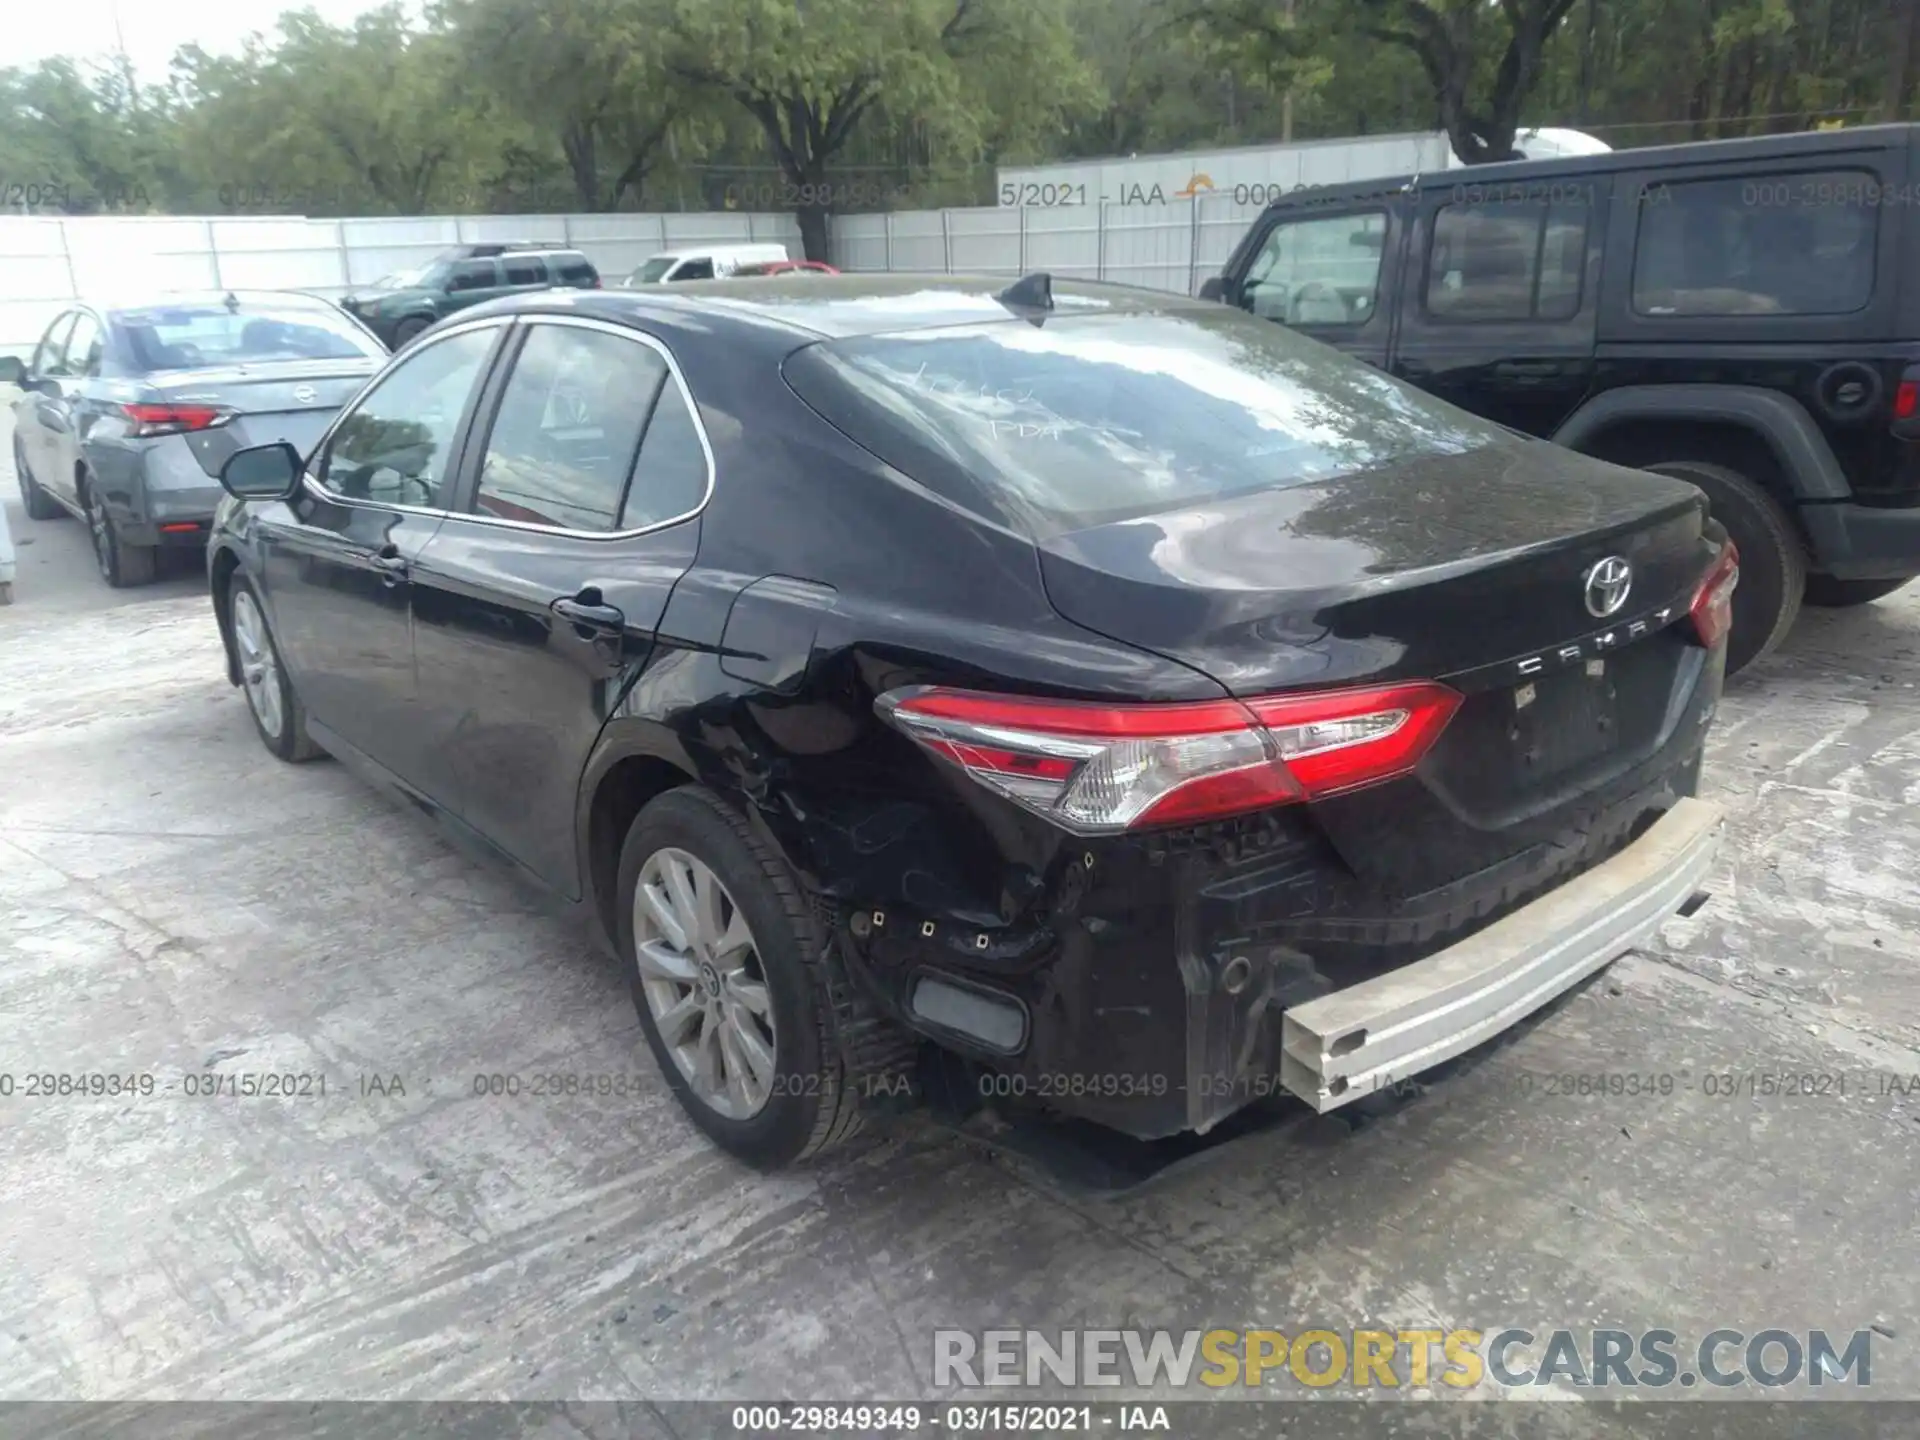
(192, 337)
(1087, 420)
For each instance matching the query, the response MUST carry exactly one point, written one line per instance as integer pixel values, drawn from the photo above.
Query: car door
(65, 408)
(537, 602)
(1329, 272)
(35, 412)
(335, 559)
(1501, 299)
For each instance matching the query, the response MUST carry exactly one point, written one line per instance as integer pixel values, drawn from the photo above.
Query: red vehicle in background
(785, 267)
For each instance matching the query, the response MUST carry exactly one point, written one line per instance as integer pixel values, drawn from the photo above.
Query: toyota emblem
(1607, 584)
(305, 394)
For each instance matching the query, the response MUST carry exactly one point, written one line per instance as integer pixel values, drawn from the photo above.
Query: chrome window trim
(315, 488)
(581, 322)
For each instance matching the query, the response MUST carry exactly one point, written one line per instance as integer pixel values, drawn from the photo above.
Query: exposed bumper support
(1355, 1041)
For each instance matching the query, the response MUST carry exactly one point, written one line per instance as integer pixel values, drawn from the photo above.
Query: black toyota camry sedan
(1117, 700)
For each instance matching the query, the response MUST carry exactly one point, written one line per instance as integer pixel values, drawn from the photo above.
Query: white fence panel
(46, 262)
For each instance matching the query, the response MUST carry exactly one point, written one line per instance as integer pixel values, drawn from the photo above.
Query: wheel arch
(631, 765)
(1803, 462)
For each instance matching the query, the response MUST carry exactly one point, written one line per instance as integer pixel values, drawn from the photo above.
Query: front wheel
(1773, 562)
(38, 504)
(1834, 594)
(278, 714)
(724, 959)
(407, 329)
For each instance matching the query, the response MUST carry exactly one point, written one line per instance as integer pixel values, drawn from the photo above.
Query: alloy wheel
(259, 668)
(701, 973)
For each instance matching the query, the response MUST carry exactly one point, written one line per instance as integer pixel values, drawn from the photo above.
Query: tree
(588, 76)
(333, 119)
(1450, 38)
(95, 137)
(809, 71)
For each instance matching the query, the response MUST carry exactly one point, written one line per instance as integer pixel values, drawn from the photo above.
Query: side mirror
(262, 472)
(13, 370)
(1212, 288)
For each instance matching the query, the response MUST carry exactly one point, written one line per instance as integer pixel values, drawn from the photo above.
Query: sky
(84, 29)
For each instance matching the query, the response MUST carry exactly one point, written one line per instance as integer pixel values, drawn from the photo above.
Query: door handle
(1531, 369)
(391, 564)
(589, 610)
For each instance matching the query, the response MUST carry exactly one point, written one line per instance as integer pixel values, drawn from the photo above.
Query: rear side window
(1501, 260)
(568, 428)
(1322, 271)
(525, 270)
(576, 270)
(671, 478)
(1765, 245)
(1085, 421)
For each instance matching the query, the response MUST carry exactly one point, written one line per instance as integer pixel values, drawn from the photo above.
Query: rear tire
(696, 999)
(407, 329)
(1773, 562)
(1825, 591)
(122, 566)
(38, 504)
(278, 716)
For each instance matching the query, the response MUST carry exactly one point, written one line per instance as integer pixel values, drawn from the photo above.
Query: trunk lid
(293, 401)
(1439, 567)
(1469, 569)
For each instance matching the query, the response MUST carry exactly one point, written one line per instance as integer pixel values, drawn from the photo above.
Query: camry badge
(1607, 584)
(305, 394)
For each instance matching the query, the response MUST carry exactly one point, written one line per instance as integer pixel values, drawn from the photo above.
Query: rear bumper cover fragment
(1356, 1041)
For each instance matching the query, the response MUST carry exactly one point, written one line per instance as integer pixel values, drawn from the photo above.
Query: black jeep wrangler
(1744, 314)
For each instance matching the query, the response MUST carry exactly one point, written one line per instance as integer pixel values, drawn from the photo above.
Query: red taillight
(175, 419)
(1712, 608)
(1093, 768)
(1906, 400)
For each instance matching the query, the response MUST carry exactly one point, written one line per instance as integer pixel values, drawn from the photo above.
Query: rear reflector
(1712, 608)
(180, 527)
(1095, 769)
(1906, 400)
(175, 419)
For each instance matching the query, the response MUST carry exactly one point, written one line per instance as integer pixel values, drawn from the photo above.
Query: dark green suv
(399, 306)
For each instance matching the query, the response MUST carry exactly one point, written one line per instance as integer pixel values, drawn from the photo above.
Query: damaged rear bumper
(1356, 1041)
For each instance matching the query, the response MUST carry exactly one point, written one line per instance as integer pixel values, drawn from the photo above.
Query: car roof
(838, 306)
(1650, 157)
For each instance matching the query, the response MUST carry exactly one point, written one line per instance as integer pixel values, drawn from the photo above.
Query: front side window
(395, 445)
(1764, 245)
(472, 275)
(694, 270)
(1519, 260)
(654, 271)
(563, 443)
(1087, 421)
(1323, 271)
